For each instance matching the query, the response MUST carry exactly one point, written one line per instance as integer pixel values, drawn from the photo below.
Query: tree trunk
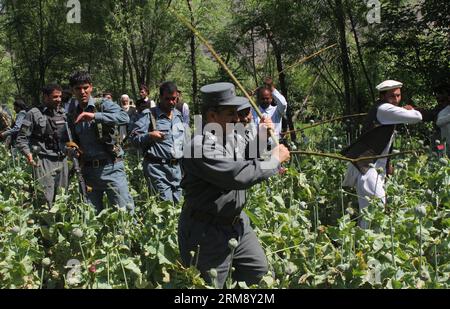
(360, 56)
(287, 122)
(340, 17)
(124, 67)
(42, 65)
(193, 63)
(130, 72)
(255, 75)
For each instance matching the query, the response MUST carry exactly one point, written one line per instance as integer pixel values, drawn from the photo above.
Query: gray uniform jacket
(216, 182)
(33, 130)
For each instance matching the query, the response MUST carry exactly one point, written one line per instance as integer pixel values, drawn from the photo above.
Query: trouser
(369, 185)
(210, 243)
(52, 174)
(112, 180)
(164, 180)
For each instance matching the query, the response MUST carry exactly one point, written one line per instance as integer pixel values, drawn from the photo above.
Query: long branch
(342, 158)
(307, 58)
(225, 67)
(324, 122)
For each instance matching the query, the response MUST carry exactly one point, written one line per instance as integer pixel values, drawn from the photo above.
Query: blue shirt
(173, 129)
(110, 113)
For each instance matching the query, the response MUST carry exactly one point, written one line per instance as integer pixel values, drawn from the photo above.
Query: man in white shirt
(183, 108)
(377, 139)
(272, 105)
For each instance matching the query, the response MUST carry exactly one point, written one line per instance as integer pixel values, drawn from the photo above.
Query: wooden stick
(385, 156)
(225, 67)
(307, 58)
(319, 154)
(324, 122)
(342, 158)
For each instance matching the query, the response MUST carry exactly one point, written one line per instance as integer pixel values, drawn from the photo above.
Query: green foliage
(413, 44)
(306, 222)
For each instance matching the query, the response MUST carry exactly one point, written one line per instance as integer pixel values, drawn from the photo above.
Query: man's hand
(264, 125)
(85, 117)
(408, 107)
(30, 160)
(281, 153)
(268, 83)
(157, 136)
(73, 152)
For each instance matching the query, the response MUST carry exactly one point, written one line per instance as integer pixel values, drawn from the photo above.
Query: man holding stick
(377, 139)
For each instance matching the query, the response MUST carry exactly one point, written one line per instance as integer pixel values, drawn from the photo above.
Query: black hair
(49, 88)
(260, 90)
(20, 103)
(167, 87)
(79, 77)
(144, 87)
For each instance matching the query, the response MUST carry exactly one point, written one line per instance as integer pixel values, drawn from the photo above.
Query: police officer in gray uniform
(94, 125)
(215, 184)
(43, 131)
(160, 133)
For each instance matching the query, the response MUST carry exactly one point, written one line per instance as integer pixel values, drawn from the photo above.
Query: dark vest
(373, 140)
(53, 132)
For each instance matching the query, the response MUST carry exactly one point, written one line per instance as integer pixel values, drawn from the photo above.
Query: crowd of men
(211, 175)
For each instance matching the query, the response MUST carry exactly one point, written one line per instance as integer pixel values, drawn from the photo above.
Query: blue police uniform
(102, 163)
(161, 159)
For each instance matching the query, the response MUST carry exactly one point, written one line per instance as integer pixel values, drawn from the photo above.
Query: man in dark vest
(376, 140)
(43, 133)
